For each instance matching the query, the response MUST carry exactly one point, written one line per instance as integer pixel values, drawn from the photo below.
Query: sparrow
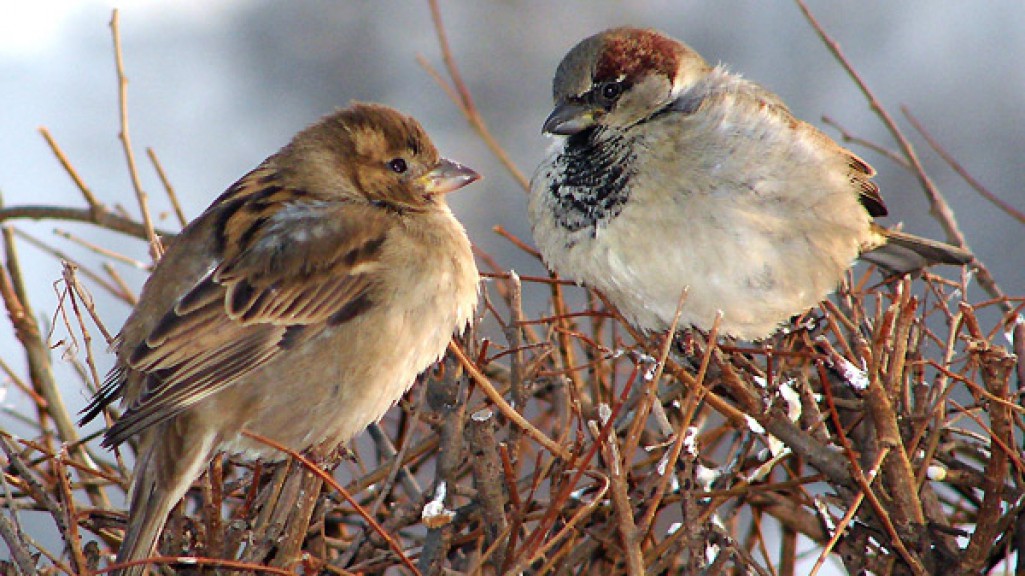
(668, 175)
(300, 305)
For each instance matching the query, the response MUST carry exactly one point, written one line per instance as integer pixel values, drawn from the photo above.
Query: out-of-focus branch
(938, 205)
(462, 98)
(90, 198)
(102, 218)
(172, 196)
(126, 140)
(956, 166)
(37, 353)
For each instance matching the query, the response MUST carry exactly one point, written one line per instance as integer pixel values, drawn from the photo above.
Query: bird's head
(620, 77)
(377, 154)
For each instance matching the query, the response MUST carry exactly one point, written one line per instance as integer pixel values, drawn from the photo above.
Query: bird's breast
(352, 373)
(589, 180)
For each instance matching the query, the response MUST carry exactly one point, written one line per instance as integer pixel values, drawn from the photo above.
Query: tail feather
(901, 253)
(164, 471)
(153, 504)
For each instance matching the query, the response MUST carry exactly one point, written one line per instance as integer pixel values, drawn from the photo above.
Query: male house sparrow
(669, 174)
(300, 306)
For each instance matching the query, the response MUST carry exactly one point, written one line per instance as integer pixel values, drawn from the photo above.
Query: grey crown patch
(590, 179)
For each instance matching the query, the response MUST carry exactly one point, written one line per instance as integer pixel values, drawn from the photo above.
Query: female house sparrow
(670, 174)
(300, 306)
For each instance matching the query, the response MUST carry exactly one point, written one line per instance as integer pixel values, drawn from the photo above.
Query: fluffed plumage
(670, 174)
(300, 306)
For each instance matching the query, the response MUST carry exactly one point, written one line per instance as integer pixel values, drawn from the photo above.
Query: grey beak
(569, 118)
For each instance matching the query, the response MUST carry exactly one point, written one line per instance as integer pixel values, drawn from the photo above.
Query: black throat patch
(590, 179)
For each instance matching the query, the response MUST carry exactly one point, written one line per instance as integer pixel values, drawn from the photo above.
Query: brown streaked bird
(300, 306)
(670, 174)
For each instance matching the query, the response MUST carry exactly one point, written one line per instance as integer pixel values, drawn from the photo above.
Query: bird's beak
(447, 177)
(568, 118)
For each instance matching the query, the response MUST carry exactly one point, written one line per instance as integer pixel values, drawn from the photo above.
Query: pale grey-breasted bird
(670, 174)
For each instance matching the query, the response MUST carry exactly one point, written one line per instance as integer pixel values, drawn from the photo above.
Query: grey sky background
(215, 87)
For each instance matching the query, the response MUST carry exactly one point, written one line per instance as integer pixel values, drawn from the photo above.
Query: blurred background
(215, 87)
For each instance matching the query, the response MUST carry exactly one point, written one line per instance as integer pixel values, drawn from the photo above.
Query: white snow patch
(792, 398)
(690, 441)
(936, 472)
(662, 464)
(649, 374)
(823, 510)
(706, 476)
(753, 425)
(762, 471)
(711, 553)
(855, 377)
(434, 512)
(1009, 335)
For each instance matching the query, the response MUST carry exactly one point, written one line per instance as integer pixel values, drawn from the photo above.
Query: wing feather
(715, 88)
(292, 265)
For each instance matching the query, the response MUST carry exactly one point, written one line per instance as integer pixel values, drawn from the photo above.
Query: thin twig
(330, 481)
(101, 250)
(938, 205)
(65, 258)
(630, 535)
(508, 411)
(90, 198)
(461, 96)
(102, 218)
(15, 296)
(1003, 205)
(172, 196)
(126, 141)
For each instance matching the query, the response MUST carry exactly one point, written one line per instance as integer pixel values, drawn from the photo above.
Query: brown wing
(293, 265)
(859, 171)
(861, 176)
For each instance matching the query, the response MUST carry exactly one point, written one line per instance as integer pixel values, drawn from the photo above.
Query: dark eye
(611, 91)
(398, 165)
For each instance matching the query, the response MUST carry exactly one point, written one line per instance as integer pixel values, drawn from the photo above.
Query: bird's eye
(398, 165)
(611, 91)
